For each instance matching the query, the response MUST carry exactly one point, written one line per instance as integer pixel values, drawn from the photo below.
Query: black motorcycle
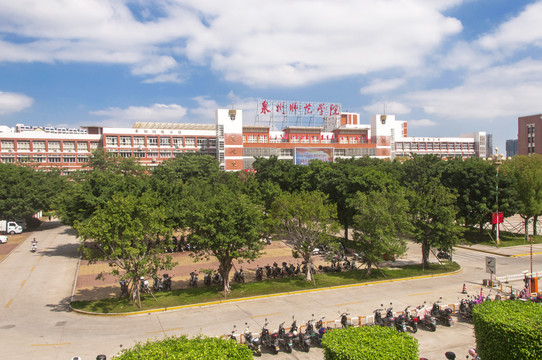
(400, 323)
(286, 339)
(426, 320)
(410, 320)
(378, 317)
(193, 282)
(344, 320)
(303, 340)
(442, 315)
(310, 331)
(239, 276)
(253, 343)
(259, 273)
(389, 320)
(271, 341)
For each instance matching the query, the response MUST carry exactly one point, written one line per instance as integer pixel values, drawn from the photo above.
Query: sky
(447, 67)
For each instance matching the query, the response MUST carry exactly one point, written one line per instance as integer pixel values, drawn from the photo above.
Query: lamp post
(497, 161)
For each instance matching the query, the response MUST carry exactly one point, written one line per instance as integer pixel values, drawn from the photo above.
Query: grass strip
(473, 236)
(270, 286)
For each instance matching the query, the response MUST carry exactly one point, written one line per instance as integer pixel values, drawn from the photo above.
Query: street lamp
(497, 161)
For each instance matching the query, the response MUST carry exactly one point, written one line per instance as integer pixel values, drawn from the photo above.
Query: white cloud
(258, 43)
(388, 107)
(494, 93)
(155, 113)
(166, 78)
(421, 123)
(523, 30)
(382, 85)
(13, 102)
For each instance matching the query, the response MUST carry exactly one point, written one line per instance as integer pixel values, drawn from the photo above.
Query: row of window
(42, 146)
(434, 146)
(163, 141)
(52, 159)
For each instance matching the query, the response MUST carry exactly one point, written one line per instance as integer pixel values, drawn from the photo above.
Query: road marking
(51, 344)
(9, 302)
(33, 267)
(427, 293)
(255, 316)
(355, 302)
(159, 331)
(22, 284)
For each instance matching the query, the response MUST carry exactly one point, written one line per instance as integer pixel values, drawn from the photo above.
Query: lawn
(473, 236)
(273, 286)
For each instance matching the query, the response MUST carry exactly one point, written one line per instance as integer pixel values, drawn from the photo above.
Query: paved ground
(35, 321)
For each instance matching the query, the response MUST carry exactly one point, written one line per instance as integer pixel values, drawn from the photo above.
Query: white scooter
(34, 247)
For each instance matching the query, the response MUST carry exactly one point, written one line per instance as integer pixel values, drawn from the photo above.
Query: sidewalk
(508, 251)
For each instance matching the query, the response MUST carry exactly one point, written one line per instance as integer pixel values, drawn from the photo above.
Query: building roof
(173, 126)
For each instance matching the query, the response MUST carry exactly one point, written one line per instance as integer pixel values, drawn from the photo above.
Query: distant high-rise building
(489, 145)
(528, 143)
(511, 147)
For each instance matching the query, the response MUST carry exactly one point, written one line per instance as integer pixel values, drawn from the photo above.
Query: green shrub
(508, 330)
(182, 348)
(369, 342)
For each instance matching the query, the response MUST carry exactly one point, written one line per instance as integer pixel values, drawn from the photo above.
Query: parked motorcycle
(378, 317)
(239, 276)
(259, 273)
(310, 331)
(442, 315)
(217, 278)
(253, 343)
(271, 341)
(344, 320)
(425, 318)
(410, 320)
(157, 284)
(389, 320)
(321, 328)
(400, 323)
(303, 340)
(286, 339)
(193, 282)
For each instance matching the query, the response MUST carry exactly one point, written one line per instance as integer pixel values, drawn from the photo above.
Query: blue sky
(447, 67)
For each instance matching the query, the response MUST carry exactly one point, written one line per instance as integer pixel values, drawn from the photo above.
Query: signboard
(297, 108)
(491, 265)
(497, 218)
(302, 156)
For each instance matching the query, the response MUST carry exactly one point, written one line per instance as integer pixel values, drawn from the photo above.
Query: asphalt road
(35, 321)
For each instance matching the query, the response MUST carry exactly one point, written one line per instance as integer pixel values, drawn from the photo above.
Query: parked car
(3, 239)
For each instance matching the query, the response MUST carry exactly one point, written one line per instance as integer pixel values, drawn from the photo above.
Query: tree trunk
(308, 261)
(481, 227)
(224, 270)
(425, 254)
(535, 220)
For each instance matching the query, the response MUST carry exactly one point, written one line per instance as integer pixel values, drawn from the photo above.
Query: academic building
(326, 134)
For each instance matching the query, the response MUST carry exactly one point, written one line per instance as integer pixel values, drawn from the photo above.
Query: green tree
(226, 224)
(128, 232)
(527, 174)
(432, 206)
(380, 220)
(307, 220)
(188, 166)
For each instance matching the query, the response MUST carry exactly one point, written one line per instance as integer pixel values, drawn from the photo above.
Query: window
(202, 143)
(7, 159)
(152, 154)
(165, 154)
(125, 141)
(23, 145)
(343, 140)
(69, 145)
(93, 146)
(353, 140)
(294, 138)
(139, 141)
(152, 141)
(263, 139)
(314, 139)
(54, 146)
(111, 140)
(7, 145)
(39, 158)
(212, 143)
(285, 152)
(165, 141)
(252, 139)
(24, 159)
(139, 154)
(189, 142)
(304, 139)
(82, 159)
(177, 142)
(54, 159)
(340, 152)
(125, 153)
(69, 159)
(82, 146)
(38, 146)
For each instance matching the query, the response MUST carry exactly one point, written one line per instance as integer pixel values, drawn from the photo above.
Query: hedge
(182, 348)
(369, 342)
(508, 330)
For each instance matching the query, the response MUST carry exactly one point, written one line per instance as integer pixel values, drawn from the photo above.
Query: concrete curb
(262, 296)
(497, 253)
